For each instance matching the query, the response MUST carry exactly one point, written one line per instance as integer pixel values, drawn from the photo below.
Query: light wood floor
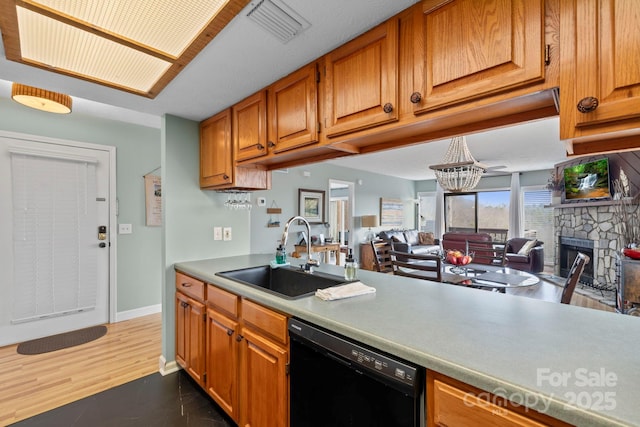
(549, 292)
(32, 384)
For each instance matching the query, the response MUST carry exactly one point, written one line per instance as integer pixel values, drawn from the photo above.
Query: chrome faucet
(308, 266)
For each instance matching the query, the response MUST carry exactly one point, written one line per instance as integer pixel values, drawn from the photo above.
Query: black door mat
(60, 341)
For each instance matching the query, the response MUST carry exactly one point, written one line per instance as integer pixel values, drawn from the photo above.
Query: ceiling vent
(278, 19)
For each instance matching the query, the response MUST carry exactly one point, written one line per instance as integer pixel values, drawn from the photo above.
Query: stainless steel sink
(286, 282)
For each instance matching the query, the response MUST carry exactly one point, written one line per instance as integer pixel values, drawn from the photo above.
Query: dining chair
(487, 253)
(574, 276)
(419, 266)
(381, 257)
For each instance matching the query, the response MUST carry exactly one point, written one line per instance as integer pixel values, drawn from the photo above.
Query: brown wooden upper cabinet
(250, 127)
(216, 151)
(293, 110)
(600, 71)
(468, 49)
(361, 86)
(218, 170)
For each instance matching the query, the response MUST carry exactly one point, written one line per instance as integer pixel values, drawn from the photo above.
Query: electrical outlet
(227, 233)
(217, 233)
(125, 229)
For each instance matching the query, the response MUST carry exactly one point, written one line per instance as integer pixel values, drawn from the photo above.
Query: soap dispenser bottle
(281, 255)
(350, 267)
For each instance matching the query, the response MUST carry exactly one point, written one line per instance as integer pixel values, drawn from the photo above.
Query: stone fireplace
(594, 228)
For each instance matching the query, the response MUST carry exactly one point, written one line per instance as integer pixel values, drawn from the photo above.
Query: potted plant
(555, 184)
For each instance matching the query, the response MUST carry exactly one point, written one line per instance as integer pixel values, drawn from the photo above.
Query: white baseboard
(138, 312)
(167, 367)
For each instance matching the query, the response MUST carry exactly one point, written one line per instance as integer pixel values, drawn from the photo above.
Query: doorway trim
(113, 208)
(352, 200)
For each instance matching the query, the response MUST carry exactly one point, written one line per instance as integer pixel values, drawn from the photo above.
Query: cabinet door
(196, 336)
(362, 81)
(264, 382)
(190, 338)
(293, 110)
(222, 362)
(601, 63)
(182, 325)
(250, 127)
(467, 49)
(216, 151)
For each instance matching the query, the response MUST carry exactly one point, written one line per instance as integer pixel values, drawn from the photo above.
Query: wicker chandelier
(460, 171)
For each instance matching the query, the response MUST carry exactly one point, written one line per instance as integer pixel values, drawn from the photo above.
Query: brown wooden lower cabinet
(264, 385)
(190, 339)
(367, 256)
(453, 403)
(237, 350)
(222, 361)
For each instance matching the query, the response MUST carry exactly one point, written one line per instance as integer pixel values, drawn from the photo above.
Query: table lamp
(369, 221)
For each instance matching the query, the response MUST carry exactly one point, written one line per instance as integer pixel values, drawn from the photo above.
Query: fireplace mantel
(582, 204)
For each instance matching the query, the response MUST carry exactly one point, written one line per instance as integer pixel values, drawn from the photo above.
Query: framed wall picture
(153, 200)
(311, 205)
(391, 212)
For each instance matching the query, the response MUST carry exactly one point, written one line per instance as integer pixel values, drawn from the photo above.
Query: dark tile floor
(173, 401)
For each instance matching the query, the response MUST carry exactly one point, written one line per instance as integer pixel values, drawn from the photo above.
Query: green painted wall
(284, 193)
(137, 152)
(190, 215)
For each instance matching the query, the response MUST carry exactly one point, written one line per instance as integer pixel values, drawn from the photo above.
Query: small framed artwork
(311, 205)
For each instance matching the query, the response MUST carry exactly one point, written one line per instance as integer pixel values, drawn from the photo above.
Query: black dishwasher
(337, 382)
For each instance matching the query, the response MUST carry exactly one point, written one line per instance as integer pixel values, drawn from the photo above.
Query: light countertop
(576, 364)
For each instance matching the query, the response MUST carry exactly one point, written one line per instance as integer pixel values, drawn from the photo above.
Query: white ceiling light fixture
(41, 99)
(278, 19)
(135, 46)
(459, 171)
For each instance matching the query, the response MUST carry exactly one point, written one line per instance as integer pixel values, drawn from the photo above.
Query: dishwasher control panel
(357, 354)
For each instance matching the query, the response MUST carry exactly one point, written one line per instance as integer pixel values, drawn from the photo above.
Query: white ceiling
(244, 58)
(525, 147)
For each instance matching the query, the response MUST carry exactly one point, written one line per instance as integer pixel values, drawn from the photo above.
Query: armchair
(527, 259)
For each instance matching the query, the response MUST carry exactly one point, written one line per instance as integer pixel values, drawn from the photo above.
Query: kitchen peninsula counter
(576, 364)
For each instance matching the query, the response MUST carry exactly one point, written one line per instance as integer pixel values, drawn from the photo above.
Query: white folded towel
(347, 290)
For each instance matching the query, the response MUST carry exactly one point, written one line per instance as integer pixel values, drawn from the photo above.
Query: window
(483, 212)
(427, 212)
(538, 220)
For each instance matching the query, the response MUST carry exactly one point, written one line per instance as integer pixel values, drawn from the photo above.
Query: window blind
(54, 230)
(538, 220)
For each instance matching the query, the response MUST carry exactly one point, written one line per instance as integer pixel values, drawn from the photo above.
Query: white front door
(54, 237)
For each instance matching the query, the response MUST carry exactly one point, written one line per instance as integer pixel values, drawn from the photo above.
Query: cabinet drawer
(454, 403)
(455, 407)
(223, 300)
(190, 286)
(265, 320)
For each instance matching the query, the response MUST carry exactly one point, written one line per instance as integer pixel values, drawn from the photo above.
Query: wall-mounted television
(587, 181)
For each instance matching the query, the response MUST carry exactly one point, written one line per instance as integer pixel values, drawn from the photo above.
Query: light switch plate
(226, 233)
(217, 233)
(262, 201)
(125, 229)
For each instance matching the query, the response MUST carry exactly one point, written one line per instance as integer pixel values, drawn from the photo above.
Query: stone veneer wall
(595, 223)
